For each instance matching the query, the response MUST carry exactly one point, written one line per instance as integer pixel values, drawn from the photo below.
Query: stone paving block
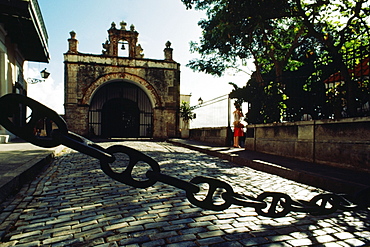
(115, 226)
(141, 222)
(74, 203)
(183, 244)
(280, 244)
(163, 235)
(226, 216)
(170, 213)
(237, 236)
(156, 225)
(280, 238)
(64, 223)
(4, 215)
(356, 242)
(10, 243)
(168, 218)
(324, 239)
(41, 219)
(70, 242)
(159, 242)
(29, 244)
(107, 245)
(174, 227)
(119, 220)
(147, 216)
(194, 230)
(36, 238)
(136, 240)
(117, 237)
(209, 234)
(286, 230)
(255, 241)
(228, 244)
(57, 239)
(98, 224)
(206, 218)
(66, 232)
(99, 235)
(13, 216)
(90, 218)
(219, 227)
(181, 238)
(300, 242)
(88, 233)
(26, 226)
(182, 221)
(344, 235)
(77, 224)
(130, 229)
(145, 233)
(25, 235)
(57, 229)
(210, 241)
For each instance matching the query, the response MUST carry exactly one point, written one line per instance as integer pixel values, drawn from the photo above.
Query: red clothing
(238, 131)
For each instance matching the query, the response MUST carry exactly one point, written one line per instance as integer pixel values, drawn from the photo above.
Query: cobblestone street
(73, 203)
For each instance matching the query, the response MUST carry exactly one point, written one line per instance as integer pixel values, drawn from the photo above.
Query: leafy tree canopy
(274, 33)
(272, 29)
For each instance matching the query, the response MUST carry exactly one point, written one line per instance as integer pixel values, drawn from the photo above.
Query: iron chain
(269, 204)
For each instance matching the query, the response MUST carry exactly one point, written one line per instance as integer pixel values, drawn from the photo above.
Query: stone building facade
(110, 96)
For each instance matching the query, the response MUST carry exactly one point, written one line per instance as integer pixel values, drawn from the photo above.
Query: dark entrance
(120, 118)
(120, 109)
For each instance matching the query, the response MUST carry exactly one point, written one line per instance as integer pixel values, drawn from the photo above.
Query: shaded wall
(343, 143)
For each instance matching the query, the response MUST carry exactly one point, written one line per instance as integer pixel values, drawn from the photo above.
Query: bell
(123, 47)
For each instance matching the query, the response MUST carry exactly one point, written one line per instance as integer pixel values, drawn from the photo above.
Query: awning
(24, 25)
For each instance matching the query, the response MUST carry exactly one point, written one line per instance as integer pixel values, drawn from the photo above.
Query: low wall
(218, 135)
(343, 143)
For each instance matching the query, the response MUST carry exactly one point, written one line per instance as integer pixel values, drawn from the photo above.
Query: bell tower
(122, 37)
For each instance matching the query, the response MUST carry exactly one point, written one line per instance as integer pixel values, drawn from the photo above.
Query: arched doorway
(120, 109)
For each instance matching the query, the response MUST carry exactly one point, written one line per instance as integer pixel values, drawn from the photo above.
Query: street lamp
(200, 101)
(44, 75)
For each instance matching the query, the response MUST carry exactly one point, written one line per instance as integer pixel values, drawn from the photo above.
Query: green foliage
(265, 101)
(283, 37)
(186, 111)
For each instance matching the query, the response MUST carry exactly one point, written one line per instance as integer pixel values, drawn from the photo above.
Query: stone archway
(142, 83)
(120, 109)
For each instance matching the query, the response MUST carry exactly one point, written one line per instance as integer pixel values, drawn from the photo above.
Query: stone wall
(219, 135)
(343, 143)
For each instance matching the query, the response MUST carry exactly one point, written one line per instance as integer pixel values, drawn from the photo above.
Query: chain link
(220, 195)
(11, 107)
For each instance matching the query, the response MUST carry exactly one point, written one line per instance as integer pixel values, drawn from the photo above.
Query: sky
(157, 22)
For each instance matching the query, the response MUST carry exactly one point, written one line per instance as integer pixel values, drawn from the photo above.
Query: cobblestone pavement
(73, 203)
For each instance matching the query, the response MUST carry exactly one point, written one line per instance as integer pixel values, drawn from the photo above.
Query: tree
(335, 24)
(186, 111)
(271, 31)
